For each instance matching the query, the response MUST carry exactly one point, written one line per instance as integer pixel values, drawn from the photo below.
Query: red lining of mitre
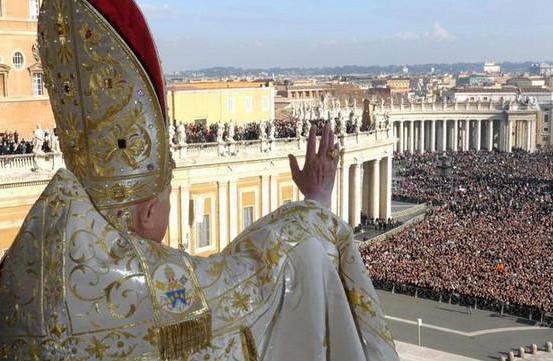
(127, 19)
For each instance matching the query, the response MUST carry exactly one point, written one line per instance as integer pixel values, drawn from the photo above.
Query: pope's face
(161, 215)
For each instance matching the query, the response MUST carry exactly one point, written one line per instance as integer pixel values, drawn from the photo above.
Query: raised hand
(316, 179)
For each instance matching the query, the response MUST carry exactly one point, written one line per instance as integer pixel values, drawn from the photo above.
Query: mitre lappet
(80, 284)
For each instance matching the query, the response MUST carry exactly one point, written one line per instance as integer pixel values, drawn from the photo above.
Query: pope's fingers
(330, 144)
(294, 166)
(337, 149)
(323, 146)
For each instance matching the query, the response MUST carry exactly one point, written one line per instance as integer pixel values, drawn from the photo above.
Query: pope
(88, 278)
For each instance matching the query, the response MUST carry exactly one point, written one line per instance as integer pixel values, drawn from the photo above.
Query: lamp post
(419, 326)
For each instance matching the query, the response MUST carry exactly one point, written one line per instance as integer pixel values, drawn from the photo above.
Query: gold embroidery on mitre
(111, 126)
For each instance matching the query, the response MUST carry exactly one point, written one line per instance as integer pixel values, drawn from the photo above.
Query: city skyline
(194, 34)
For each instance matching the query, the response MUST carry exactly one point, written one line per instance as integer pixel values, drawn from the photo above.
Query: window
(18, 60)
(266, 106)
(38, 84)
(203, 238)
(34, 9)
(200, 122)
(247, 217)
(2, 85)
(546, 117)
(230, 104)
(248, 104)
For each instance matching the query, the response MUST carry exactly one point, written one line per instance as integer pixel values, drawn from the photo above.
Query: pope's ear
(146, 213)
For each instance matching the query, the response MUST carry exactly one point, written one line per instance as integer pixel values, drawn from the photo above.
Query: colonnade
(366, 186)
(440, 135)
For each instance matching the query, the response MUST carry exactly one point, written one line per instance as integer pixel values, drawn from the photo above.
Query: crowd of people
(12, 144)
(488, 235)
(283, 128)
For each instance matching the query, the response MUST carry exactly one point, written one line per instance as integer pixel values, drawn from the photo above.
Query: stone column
(433, 136)
(355, 195)
(173, 235)
(265, 195)
(490, 135)
(366, 187)
(528, 136)
(478, 135)
(274, 193)
(509, 136)
(223, 215)
(344, 192)
(466, 138)
(421, 137)
(185, 217)
(335, 196)
(233, 209)
(394, 135)
(374, 189)
(502, 137)
(386, 188)
(401, 137)
(444, 135)
(455, 142)
(411, 136)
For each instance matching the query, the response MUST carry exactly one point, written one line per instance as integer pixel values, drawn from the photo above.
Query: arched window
(18, 60)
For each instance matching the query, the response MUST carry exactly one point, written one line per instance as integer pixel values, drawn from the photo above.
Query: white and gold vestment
(77, 284)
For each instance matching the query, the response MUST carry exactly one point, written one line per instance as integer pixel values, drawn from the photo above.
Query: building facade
(442, 126)
(216, 195)
(213, 102)
(24, 102)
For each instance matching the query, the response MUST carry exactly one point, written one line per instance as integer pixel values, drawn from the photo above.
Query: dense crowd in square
(489, 232)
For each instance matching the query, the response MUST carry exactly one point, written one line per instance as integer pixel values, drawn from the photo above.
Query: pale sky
(193, 34)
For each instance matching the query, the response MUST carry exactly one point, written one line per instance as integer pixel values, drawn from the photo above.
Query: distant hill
(350, 70)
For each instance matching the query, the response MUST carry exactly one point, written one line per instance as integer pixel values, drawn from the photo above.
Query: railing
(200, 153)
(255, 148)
(531, 313)
(20, 161)
(454, 107)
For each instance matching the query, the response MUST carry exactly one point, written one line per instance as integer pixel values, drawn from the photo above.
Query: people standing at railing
(11, 144)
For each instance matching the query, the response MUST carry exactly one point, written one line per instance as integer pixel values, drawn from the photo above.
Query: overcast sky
(194, 34)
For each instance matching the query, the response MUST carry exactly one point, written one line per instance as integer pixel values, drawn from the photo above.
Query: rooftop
(207, 85)
(484, 90)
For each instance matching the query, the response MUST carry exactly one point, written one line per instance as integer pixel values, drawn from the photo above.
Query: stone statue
(332, 122)
(299, 128)
(220, 132)
(172, 133)
(263, 131)
(307, 127)
(54, 142)
(311, 113)
(38, 140)
(231, 131)
(343, 127)
(181, 135)
(271, 126)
